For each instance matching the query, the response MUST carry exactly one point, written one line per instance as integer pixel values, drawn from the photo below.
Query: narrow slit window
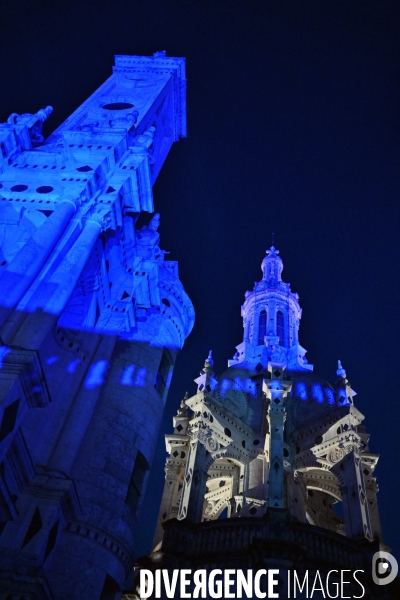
(136, 483)
(280, 328)
(262, 327)
(162, 375)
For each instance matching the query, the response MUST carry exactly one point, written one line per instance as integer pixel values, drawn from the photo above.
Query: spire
(207, 380)
(209, 363)
(343, 390)
(183, 408)
(340, 370)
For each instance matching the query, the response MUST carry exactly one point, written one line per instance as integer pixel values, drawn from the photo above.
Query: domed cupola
(271, 317)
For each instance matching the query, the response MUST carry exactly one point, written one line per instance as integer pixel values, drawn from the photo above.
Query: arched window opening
(262, 327)
(280, 328)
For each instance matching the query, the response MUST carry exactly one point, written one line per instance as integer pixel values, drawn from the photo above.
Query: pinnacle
(340, 370)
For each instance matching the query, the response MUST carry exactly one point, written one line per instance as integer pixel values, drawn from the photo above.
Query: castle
(92, 316)
(91, 319)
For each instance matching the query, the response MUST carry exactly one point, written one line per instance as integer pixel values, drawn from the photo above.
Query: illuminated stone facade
(275, 449)
(91, 319)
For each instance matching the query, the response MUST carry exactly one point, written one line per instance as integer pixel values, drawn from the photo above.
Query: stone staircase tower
(91, 319)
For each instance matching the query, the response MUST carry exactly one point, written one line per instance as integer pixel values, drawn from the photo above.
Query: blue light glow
(140, 377)
(127, 375)
(224, 386)
(330, 396)
(301, 391)
(73, 365)
(96, 374)
(51, 360)
(317, 393)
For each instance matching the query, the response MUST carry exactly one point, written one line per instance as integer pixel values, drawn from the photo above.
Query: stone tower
(91, 319)
(275, 449)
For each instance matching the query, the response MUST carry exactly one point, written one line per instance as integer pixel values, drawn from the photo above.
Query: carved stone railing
(239, 535)
(275, 540)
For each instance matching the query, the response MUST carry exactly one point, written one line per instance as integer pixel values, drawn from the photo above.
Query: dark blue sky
(293, 127)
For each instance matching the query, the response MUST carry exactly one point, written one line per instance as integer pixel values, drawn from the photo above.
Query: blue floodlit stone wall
(91, 319)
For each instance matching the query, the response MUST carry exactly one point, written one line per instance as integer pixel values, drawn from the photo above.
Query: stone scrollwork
(205, 437)
(208, 509)
(212, 444)
(336, 455)
(34, 123)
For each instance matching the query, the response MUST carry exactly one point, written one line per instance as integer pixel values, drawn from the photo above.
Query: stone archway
(323, 492)
(223, 484)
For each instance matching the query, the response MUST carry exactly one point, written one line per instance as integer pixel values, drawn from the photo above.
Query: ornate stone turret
(269, 442)
(271, 318)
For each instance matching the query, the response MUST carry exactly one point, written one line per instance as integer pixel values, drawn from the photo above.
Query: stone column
(255, 485)
(57, 291)
(297, 493)
(169, 499)
(194, 486)
(354, 497)
(276, 390)
(373, 511)
(22, 270)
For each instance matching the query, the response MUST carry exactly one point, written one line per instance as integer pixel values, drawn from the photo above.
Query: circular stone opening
(117, 106)
(44, 189)
(19, 188)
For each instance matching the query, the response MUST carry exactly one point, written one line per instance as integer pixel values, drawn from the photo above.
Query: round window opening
(117, 106)
(44, 189)
(19, 188)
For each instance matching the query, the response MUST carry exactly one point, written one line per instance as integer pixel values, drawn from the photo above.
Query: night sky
(293, 128)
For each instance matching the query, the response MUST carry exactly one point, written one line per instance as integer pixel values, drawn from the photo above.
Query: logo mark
(384, 568)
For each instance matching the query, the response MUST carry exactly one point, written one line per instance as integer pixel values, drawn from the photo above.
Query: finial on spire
(272, 252)
(208, 364)
(182, 410)
(272, 238)
(340, 370)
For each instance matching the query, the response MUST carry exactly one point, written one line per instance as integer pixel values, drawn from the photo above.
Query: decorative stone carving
(34, 123)
(336, 455)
